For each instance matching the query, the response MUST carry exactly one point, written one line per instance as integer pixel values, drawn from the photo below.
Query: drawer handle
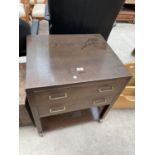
(58, 98)
(106, 88)
(59, 110)
(100, 101)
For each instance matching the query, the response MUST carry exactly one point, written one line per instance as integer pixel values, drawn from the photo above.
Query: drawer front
(67, 94)
(62, 107)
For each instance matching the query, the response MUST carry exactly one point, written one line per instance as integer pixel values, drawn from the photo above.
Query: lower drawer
(53, 109)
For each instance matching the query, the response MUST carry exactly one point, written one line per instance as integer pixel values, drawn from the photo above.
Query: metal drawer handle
(58, 98)
(104, 89)
(100, 101)
(59, 110)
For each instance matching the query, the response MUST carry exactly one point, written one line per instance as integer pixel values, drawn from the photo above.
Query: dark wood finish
(35, 115)
(52, 60)
(71, 72)
(76, 92)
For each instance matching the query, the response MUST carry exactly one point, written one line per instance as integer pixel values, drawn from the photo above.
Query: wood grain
(53, 60)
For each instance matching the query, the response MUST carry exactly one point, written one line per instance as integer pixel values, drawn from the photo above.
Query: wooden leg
(27, 106)
(103, 112)
(99, 113)
(133, 52)
(36, 118)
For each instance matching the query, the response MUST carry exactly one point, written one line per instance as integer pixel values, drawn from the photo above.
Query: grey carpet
(114, 136)
(122, 41)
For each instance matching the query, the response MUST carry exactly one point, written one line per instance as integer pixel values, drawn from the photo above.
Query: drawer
(63, 107)
(66, 94)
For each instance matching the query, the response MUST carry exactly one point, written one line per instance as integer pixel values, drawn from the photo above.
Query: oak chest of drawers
(66, 73)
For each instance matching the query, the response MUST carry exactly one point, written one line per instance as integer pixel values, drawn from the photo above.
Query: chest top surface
(57, 60)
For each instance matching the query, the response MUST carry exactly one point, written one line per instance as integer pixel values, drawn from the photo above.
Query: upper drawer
(77, 92)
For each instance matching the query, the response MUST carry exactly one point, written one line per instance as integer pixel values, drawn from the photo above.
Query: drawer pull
(58, 98)
(100, 101)
(106, 88)
(59, 110)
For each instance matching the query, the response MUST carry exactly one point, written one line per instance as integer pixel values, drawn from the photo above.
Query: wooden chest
(71, 72)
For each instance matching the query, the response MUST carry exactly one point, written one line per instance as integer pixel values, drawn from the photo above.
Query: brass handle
(59, 110)
(106, 88)
(99, 101)
(58, 98)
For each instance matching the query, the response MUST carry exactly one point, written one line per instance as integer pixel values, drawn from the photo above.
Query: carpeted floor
(80, 135)
(122, 41)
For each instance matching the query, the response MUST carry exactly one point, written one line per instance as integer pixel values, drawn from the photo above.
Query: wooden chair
(38, 9)
(24, 10)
